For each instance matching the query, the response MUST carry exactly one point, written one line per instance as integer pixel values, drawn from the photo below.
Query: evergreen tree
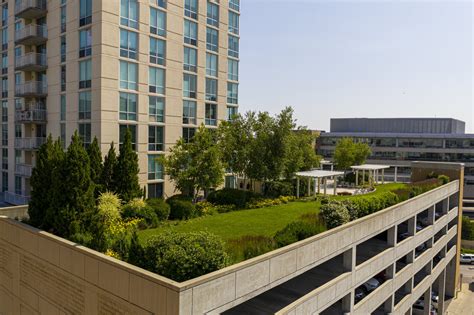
(73, 191)
(125, 175)
(107, 176)
(95, 157)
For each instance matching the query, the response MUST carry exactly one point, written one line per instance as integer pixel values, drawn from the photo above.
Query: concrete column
(297, 187)
(431, 215)
(332, 167)
(412, 226)
(348, 303)
(335, 185)
(309, 186)
(349, 259)
(408, 286)
(325, 185)
(395, 179)
(441, 291)
(357, 177)
(376, 176)
(427, 305)
(450, 286)
(389, 305)
(392, 236)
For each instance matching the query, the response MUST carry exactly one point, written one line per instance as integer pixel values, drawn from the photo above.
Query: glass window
(85, 105)
(212, 39)
(5, 159)
(128, 75)
(189, 85)
(156, 80)
(85, 43)
(4, 87)
(211, 65)
(5, 15)
(190, 59)
(128, 44)
(155, 138)
(62, 109)
(190, 32)
(128, 106)
(155, 169)
(157, 22)
(211, 90)
(234, 5)
(63, 19)
(189, 112)
(160, 3)
(157, 51)
(4, 111)
(85, 74)
(233, 46)
(5, 38)
(85, 12)
(62, 134)
(233, 70)
(18, 133)
(63, 48)
(155, 190)
(18, 186)
(133, 131)
(233, 23)
(85, 133)
(188, 134)
(129, 13)
(5, 62)
(211, 114)
(5, 134)
(63, 78)
(191, 8)
(232, 93)
(156, 108)
(212, 14)
(231, 112)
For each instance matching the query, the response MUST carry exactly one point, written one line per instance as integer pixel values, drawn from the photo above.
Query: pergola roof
(370, 167)
(326, 162)
(318, 174)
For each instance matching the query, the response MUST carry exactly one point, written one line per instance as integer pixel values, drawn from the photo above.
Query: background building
(398, 141)
(159, 68)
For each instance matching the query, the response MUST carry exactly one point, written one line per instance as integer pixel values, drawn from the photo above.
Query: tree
(73, 191)
(95, 157)
(107, 176)
(49, 157)
(197, 165)
(348, 153)
(301, 155)
(125, 174)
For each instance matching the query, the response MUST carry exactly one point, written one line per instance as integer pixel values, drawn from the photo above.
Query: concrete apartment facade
(399, 141)
(320, 275)
(160, 68)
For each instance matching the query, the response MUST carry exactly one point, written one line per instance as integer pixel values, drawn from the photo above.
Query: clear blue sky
(358, 59)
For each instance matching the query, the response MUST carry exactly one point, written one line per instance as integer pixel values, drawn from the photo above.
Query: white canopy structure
(373, 170)
(326, 162)
(316, 176)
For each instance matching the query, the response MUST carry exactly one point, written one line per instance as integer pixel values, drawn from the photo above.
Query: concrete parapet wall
(16, 212)
(467, 244)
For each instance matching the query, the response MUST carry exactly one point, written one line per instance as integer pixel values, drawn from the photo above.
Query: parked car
(359, 294)
(419, 306)
(371, 285)
(467, 259)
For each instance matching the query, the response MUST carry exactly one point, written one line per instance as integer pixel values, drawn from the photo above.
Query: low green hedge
(181, 208)
(228, 196)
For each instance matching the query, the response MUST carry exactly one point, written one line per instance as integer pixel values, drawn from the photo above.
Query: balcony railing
(24, 170)
(31, 88)
(31, 143)
(34, 113)
(29, 9)
(31, 62)
(16, 199)
(31, 34)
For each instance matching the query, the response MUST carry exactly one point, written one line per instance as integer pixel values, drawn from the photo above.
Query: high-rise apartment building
(159, 68)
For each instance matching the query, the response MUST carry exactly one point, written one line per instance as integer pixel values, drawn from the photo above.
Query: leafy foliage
(297, 231)
(95, 158)
(139, 209)
(249, 246)
(182, 208)
(467, 229)
(334, 214)
(160, 207)
(183, 256)
(110, 164)
(348, 153)
(228, 196)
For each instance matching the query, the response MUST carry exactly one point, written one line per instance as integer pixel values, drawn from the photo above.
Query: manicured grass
(264, 221)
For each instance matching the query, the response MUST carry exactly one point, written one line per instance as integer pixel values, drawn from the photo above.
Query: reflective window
(128, 106)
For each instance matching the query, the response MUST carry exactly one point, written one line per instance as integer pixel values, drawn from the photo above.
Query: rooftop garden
(78, 195)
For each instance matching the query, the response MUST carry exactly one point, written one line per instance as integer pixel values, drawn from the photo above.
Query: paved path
(464, 304)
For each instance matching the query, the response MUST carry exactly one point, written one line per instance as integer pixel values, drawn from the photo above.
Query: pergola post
(357, 177)
(315, 184)
(309, 186)
(383, 176)
(319, 185)
(297, 187)
(335, 185)
(325, 185)
(332, 167)
(363, 176)
(396, 174)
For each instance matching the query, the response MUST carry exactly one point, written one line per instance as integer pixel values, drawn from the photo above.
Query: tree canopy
(348, 153)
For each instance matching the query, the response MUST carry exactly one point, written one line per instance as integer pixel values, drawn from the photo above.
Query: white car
(371, 285)
(467, 259)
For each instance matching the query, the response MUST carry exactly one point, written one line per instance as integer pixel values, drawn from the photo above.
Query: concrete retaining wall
(467, 244)
(16, 212)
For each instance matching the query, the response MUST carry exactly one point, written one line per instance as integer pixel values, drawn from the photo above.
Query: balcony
(30, 9)
(31, 34)
(35, 113)
(24, 170)
(31, 143)
(31, 62)
(31, 89)
(16, 199)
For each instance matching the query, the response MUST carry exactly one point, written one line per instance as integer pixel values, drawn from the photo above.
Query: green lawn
(264, 221)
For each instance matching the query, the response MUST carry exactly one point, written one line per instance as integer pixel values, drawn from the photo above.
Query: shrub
(227, 196)
(184, 256)
(205, 208)
(443, 179)
(181, 209)
(160, 207)
(225, 208)
(249, 246)
(297, 231)
(276, 189)
(467, 231)
(364, 205)
(139, 209)
(334, 214)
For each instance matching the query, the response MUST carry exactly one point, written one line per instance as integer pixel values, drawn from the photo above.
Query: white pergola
(326, 162)
(373, 169)
(316, 176)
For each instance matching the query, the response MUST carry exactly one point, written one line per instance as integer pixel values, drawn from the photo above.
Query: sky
(330, 59)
